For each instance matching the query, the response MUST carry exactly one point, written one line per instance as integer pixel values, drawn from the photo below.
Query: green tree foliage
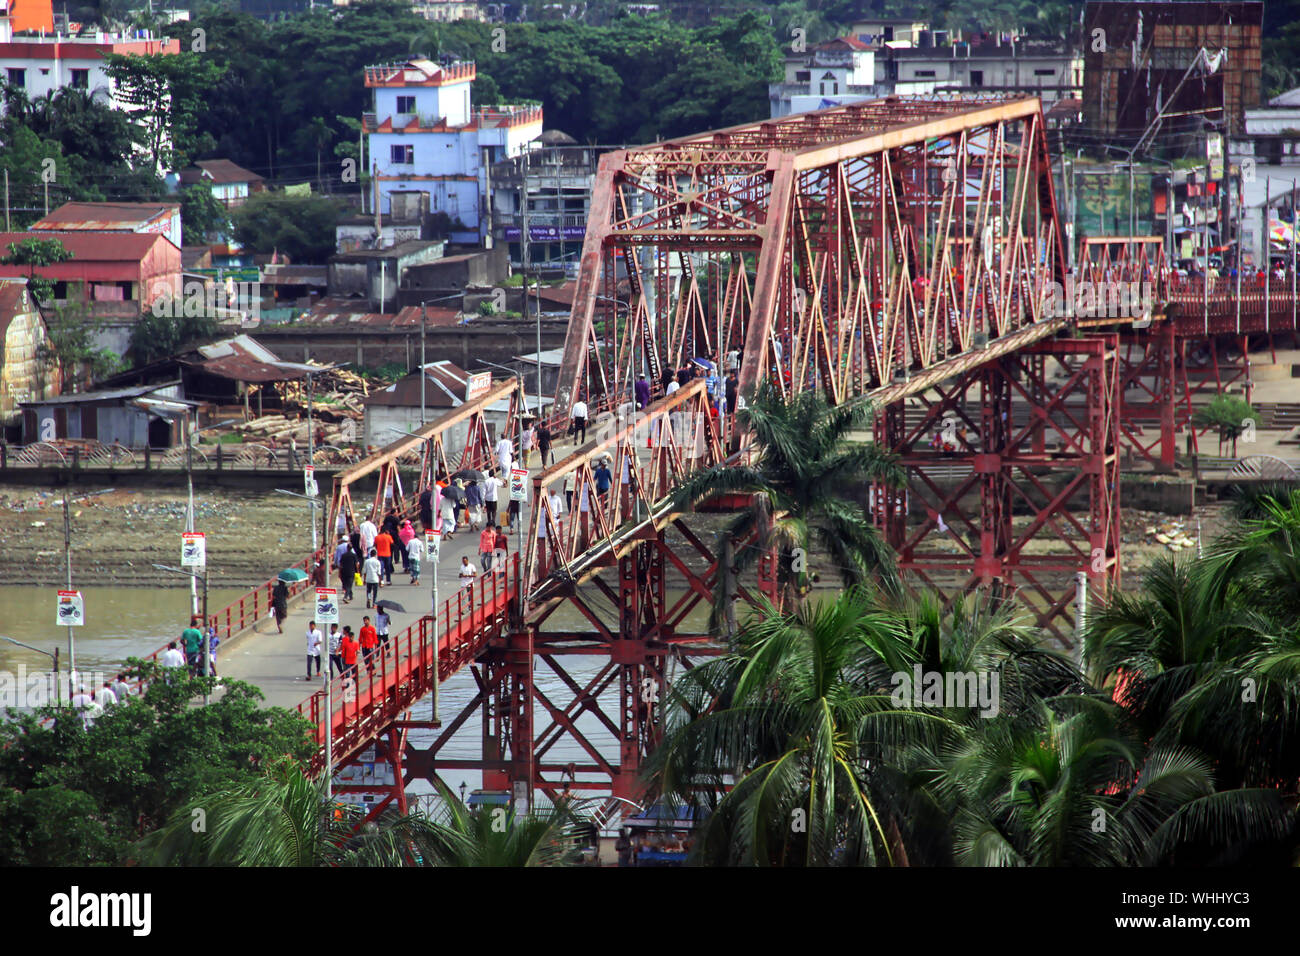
(71, 796)
(34, 253)
(157, 335)
(166, 95)
(1228, 415)
(203, 216)
(299, 227)
(284, 819)
(798, 480)
(70, 346)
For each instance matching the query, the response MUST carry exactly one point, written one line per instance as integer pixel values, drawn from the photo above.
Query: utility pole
(424, 323)
(67, 554)
(189, 515)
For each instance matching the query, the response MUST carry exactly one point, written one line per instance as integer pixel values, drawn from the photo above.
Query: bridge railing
(399, 671)
(246, 610)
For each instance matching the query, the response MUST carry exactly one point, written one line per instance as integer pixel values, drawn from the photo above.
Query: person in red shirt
(369, 638)
(348, 650)
(384, 551)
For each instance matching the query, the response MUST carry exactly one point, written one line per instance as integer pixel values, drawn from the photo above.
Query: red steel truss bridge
(906, 251)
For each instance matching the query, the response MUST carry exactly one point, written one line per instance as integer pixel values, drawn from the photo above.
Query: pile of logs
(336, 394)
(278, 430)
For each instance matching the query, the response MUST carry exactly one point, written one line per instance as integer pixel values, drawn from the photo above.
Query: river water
(124, 622)
(121, 622)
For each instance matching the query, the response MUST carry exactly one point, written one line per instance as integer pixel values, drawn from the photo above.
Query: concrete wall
(466, 346)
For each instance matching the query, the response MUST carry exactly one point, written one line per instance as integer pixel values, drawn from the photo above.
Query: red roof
(853, 43)
(93, 246)
(105, 216)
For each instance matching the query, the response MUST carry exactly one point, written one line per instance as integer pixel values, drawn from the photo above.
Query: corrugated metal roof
(244, 359)
(93, 246)
(353, 313)
(218, 172)
(105, 216)
(105, 395)
(444, 388)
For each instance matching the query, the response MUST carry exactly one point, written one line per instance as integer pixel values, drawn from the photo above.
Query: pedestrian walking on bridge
(313, 648)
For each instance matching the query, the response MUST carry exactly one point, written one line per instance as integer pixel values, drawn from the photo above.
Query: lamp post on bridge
(204, 649)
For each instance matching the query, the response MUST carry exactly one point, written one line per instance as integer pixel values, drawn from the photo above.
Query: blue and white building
(424, 136)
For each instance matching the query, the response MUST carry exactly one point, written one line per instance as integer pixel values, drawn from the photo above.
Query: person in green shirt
(193, 639)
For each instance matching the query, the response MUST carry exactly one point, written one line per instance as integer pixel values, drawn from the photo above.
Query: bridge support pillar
(1013, 478)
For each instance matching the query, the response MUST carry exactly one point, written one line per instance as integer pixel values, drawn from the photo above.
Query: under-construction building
(1161, 75)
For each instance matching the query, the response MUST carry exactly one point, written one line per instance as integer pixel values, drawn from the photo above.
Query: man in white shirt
(368, 534)
(105, 697)
(172, 657)
(314, 638)
(505, 454)
(83, 702)
(580, 422)
(490, 485)
(121, 689)
(673, 386)
(371, 573)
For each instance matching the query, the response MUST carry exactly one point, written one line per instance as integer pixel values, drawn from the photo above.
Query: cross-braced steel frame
(1013, 478)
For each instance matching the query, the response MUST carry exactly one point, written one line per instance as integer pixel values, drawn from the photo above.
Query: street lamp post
(204, 649)
(58, 697)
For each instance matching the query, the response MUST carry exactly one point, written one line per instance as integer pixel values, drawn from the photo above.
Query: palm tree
(1076, 788)
(285, 820)
(803, 482)
(495, 836)
(790, 717)
(1229, 415)
(1205, 657)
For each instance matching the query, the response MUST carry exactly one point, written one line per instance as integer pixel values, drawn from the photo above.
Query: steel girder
(1023, 502)
(833, 250)
(427, 447)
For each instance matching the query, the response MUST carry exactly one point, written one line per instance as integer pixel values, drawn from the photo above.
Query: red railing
(399, 672)
(250, 606)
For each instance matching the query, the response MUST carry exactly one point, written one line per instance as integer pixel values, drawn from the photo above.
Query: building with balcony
(556, 176)
(833, 73)
(1052, 70)
(38, 60)
(424, 136)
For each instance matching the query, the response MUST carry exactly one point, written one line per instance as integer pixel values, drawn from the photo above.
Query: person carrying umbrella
(280, 604)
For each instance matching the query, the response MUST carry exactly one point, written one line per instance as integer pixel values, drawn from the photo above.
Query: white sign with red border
(327, 605)
(518, 484)
(194, 549)
(479, 383)
(72, 609)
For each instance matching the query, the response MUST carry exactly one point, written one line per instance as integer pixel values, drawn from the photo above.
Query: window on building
(403, 154)
(1044, 73)
(802, 76)
(81, 79)
(924, 74)
(406, 104)
(976, 77)
(17, 77)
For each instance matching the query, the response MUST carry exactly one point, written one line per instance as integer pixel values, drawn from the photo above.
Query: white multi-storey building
(39, 65)
(425, 136)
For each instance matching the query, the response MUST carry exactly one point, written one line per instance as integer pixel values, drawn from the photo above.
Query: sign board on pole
(518, 484)
(309, 481)
(327, 605)
(432, 541)
(480, 383)
(72, 610)
(194, 551)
